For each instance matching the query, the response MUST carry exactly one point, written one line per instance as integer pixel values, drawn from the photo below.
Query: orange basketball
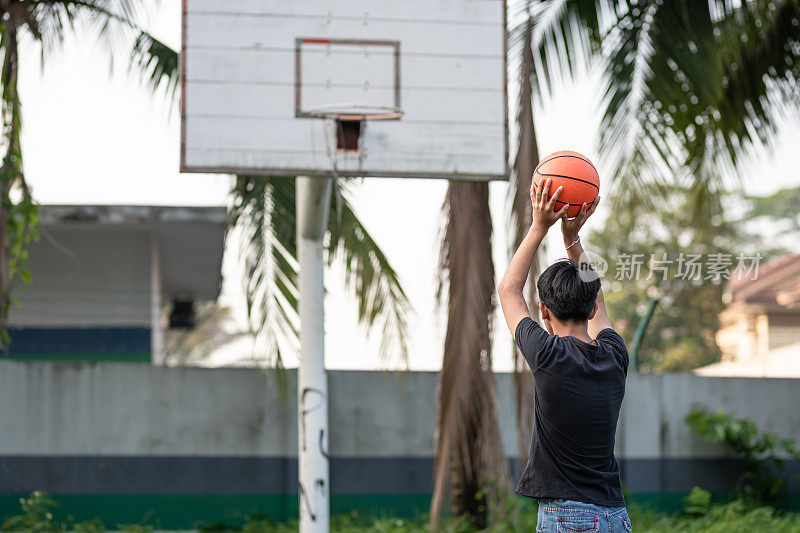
(575, 173)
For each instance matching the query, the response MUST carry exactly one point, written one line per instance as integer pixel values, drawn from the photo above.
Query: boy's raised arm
(511, 285)
(570, 228)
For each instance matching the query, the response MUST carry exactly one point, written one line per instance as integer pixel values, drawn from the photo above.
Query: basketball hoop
(348, 124)
(354, 112)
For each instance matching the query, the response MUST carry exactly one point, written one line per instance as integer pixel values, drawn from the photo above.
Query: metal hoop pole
(313, 202)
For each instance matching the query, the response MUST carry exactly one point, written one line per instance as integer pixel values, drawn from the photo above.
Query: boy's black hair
(565, 294)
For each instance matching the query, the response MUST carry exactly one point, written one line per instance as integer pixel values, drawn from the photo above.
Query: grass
(700, 515)
(723, 518)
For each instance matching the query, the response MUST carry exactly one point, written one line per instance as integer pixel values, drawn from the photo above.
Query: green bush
(732, 517)
(698, 503)
(763, 481)
(38, 514)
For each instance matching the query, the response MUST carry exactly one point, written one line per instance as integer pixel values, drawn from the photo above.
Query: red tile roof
(777, 286)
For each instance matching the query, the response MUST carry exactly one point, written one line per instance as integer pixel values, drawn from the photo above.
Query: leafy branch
(764, 453)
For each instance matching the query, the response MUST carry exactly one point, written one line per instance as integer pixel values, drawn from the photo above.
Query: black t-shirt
(578, 394)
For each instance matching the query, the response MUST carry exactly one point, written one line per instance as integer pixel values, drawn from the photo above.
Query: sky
(93, 135)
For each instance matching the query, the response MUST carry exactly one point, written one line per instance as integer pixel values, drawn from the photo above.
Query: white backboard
(253, 70)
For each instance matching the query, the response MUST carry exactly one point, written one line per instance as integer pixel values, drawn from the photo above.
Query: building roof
(190, 239)
(52, 214)
(777, 287)
(783, 362)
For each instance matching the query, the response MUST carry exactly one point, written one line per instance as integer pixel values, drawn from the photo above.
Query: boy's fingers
(563, 213)
(593, 206)
(555, 196)
(545, 191)
(581, 216)
(537, 193)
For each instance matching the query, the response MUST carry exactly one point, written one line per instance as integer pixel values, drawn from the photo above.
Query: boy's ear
(594, 311)
(544, 311)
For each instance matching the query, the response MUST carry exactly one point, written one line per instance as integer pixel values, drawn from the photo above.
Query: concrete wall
(660, 454)
(137, 441)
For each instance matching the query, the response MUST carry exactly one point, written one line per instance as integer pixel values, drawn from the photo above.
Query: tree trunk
(524, 164)
(5, 278)
(469, 451)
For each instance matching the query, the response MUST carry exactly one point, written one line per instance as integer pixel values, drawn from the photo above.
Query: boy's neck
(579, 330)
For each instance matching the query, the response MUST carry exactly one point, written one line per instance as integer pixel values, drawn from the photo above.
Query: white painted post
(156, 329)
(313, 199)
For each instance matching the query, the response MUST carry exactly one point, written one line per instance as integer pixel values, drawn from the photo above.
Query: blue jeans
(567, 516)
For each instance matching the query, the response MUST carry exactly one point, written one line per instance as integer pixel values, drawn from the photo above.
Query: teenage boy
(579, 365)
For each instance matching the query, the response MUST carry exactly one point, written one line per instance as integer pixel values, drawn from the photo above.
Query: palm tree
(469, 454)
(45, 22)
(692, 88)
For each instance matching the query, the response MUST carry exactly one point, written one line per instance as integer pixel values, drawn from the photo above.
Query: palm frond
(692, 88)
(565, 35)
(116, 24)
(263, 209)
(369, 275)
(53, 21)
(760, 56)
(629, 46)
(157, 64)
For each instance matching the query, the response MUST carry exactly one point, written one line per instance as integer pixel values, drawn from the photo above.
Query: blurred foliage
(698, 502)
(36, 515)
(763, 481)
(701, 515)
(781, 205)
(39, 514)
(681, 334)
(133, 528)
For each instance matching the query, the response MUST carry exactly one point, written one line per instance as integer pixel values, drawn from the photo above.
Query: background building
(760, 328)
(106, 280)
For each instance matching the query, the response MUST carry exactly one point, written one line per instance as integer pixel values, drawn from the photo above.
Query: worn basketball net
(339, 123)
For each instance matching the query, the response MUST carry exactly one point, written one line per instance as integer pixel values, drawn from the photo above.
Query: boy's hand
(543, 214)
(570, 228)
